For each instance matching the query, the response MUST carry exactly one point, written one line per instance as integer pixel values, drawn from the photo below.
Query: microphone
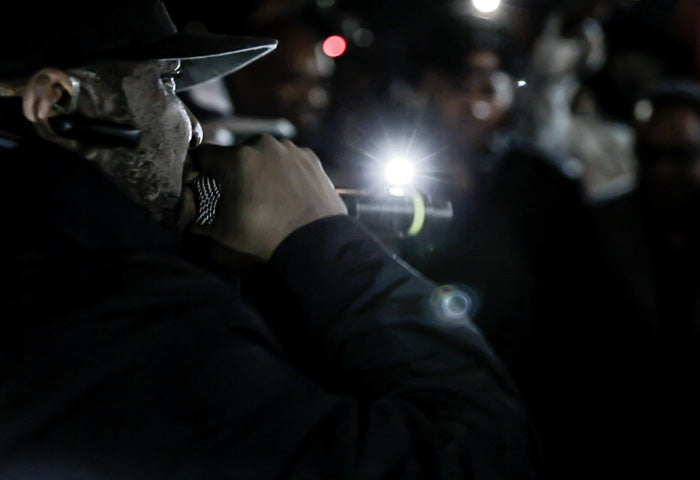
(399, 213)
(91, 131)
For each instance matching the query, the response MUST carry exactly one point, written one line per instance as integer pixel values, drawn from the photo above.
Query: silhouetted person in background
(524, 248)
(650, 239)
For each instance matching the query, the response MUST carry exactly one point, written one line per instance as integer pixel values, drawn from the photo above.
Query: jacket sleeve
(145, 367)
(432, 400)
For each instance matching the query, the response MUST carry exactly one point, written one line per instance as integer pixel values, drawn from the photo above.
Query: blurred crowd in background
(564, 136)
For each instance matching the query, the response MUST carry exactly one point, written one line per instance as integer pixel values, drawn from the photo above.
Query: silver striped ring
(207, 193)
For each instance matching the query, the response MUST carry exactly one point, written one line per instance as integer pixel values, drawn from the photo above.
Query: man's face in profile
(142, 94)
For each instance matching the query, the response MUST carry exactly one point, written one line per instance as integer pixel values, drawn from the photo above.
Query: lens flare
(453, 302)
(395, 191)
(486, 6)
(399, 172)
(456, 304)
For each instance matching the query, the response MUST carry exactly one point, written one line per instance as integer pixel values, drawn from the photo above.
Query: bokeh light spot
(481, 110)
(643, 110)
(363, 37)
(334, 46)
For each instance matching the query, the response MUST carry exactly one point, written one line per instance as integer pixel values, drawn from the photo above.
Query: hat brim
(205, 56)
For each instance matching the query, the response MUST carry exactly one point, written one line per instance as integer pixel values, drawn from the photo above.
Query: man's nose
(197, 133)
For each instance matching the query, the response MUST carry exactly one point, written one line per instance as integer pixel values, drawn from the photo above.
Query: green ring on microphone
(418, 213)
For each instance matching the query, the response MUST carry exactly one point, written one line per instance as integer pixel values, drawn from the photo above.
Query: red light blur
(334, 46)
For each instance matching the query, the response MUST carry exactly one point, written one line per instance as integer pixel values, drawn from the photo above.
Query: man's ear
(48, 92)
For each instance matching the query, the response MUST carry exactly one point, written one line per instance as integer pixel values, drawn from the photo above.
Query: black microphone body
(399, 216)
(95, 132)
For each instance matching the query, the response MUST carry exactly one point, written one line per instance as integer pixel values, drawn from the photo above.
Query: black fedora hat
(69, 34)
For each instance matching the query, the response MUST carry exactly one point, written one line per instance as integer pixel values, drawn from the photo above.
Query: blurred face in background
(467, 106)
(669, 162)
(472, 104)
(292, 82)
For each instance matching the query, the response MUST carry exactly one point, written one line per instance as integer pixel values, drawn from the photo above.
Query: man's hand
(268, 190)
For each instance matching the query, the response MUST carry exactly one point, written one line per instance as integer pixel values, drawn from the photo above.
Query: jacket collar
(59, 200)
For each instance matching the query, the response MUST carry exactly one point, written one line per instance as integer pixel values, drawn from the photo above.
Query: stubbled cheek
(166, 142)
(165, 135)
(166, 131)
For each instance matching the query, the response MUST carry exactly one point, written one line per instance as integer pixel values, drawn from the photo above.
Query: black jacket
(122, 359)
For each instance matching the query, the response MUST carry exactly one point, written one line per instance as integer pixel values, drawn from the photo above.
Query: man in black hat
(122, 358)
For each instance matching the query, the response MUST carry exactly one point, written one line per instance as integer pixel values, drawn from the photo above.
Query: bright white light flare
(399, 172)
(486, 6)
